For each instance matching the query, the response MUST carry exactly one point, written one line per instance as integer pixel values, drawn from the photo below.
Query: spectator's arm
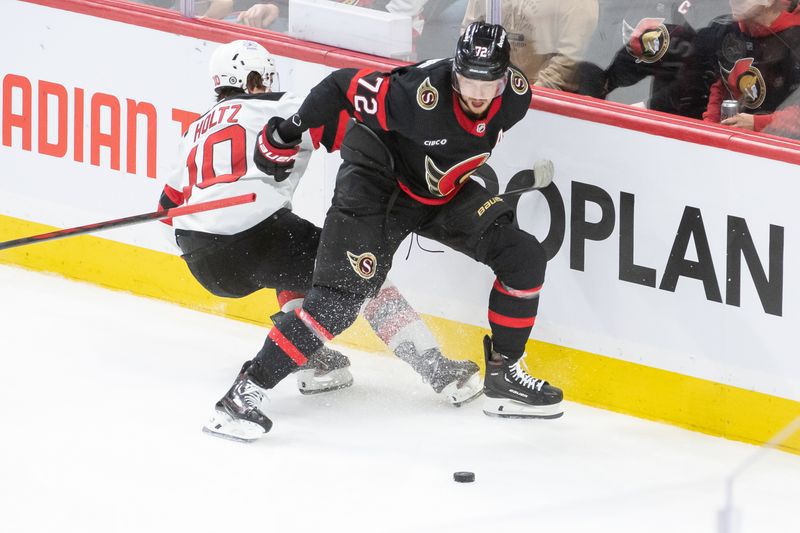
(762, 121)
(715, 98)
(259, 15)
(577, 22)
(218, 9)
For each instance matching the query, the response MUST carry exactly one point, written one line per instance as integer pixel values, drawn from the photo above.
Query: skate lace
(519, 371)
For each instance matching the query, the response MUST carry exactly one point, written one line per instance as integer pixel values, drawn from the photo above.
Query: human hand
(259, 15)
(740, 120)
(272, 156)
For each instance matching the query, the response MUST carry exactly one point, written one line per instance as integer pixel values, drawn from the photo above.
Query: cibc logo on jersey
(364, 264)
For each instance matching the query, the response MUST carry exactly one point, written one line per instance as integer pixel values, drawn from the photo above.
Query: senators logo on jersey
(427, 95)
(518, 82)
(746, 83)
(364, 264)
(445, 183)
(648, 41)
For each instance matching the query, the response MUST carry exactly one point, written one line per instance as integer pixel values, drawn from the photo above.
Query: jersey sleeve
(378, 99)
(518, 94)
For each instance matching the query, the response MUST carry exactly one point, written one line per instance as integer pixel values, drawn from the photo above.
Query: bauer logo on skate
(364, 264)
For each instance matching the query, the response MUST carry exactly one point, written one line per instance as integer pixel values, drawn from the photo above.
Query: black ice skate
(239, 414)
(458, 381)
(327, 370)
(512, 393)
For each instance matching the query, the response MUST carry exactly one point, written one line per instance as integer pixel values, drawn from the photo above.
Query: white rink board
(589, 309)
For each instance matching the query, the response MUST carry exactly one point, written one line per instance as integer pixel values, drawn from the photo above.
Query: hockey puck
(464, 477)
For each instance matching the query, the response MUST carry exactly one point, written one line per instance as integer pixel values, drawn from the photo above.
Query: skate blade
(308, 383)
(469, 391)
(507, 408)
(223, 426)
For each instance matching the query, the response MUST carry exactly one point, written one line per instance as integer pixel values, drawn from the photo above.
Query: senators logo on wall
(746, 83)
(364, 264)
(427, 95)
(648, 41)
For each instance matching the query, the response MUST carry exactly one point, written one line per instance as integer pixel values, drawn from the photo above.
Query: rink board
(670, 293)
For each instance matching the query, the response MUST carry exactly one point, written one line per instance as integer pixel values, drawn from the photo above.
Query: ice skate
(239, 414)
(458, 381)
(327, 370)
(513, 393)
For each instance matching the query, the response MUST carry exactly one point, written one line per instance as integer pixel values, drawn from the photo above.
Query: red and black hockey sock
(512, 313)
(395, 321)
(298, 334)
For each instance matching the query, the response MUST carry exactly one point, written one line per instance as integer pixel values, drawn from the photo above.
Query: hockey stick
(129, 221)
(542, 172)
(518, 191)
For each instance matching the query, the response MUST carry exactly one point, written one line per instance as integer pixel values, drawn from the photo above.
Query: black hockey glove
(273, 157)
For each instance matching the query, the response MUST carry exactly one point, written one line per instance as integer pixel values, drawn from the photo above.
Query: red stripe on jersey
(516, 293)
(381, 115)
(173, 194)
(316, 135)
(510, 322)
(287, 347)
(351, 90)
(429, 201)
(312, 324)
(473, 126)
(341, 128)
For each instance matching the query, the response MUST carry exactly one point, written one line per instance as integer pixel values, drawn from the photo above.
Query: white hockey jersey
(217, 155)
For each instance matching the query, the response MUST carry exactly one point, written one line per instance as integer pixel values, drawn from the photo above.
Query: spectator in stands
(548, 37)
(759, 66)
(274, 15)
(660, 42)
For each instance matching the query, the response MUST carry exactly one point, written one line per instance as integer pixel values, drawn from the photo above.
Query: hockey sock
(289, 300)
(512, 313)
(395, 322)
(288, 346)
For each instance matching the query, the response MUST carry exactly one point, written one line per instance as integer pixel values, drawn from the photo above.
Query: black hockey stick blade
(129, 221)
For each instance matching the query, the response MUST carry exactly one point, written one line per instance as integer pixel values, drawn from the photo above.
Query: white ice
(103, 394)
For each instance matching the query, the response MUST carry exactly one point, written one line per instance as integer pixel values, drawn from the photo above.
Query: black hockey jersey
(436, 146)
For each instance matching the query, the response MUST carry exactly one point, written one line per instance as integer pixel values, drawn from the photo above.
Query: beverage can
(728, 109)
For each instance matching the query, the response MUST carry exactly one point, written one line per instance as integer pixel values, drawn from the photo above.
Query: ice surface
(103, 395)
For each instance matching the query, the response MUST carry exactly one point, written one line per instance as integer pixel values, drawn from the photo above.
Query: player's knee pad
(516, 257)
(333, 309)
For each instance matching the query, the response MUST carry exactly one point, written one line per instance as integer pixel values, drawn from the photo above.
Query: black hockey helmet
(483, 52)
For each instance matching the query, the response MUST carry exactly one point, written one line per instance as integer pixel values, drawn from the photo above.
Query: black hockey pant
(278, 253)
(367, 221)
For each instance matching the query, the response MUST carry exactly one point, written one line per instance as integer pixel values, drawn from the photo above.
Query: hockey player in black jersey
(265, 245)
(420, 132)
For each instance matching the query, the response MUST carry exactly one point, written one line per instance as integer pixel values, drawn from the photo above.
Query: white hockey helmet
(232, 62)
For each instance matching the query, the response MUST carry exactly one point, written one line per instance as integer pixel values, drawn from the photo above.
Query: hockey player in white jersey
(239, 250)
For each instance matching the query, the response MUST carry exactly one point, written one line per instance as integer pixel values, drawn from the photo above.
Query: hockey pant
(365, 225)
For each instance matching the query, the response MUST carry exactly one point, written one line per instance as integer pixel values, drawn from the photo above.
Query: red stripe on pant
(511, 322)
(287, 346)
